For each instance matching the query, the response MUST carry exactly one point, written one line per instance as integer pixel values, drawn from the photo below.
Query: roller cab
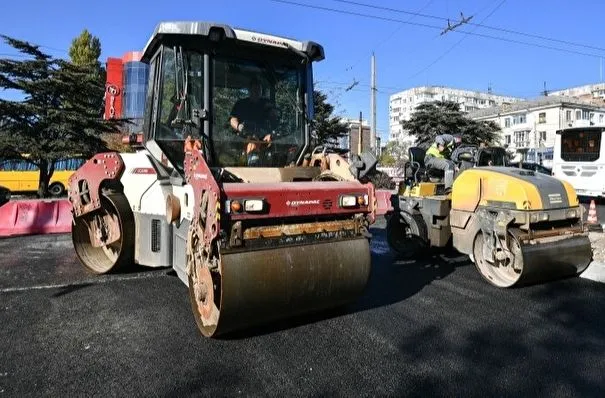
(225, 186)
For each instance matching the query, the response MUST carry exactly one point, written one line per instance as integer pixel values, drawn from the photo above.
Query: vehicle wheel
(111, 257)
(56, 189)
(406, 235)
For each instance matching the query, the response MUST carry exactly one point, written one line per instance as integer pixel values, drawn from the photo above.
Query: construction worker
(254, 116)
(437, 157)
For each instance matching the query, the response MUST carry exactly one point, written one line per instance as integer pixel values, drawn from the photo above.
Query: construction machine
(517, 226)
(257, 223)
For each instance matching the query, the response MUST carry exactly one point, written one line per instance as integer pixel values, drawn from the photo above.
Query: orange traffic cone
(592, 213)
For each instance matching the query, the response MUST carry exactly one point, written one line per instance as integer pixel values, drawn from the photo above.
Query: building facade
(126, 86)
(528, 128)
(403, 104)
(591, 92)
(350, 141)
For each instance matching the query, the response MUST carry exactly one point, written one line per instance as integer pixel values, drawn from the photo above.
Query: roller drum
(260, 286)
(538, 261)
(547, 261)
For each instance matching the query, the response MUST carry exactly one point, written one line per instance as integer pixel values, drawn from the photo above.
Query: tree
(56, 118)
(85, 50)
(394, 154)
(434, 118)
(328, 128)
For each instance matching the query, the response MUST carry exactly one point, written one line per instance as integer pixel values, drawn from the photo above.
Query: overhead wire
(456, 44)
(480, 24)
(435, 27)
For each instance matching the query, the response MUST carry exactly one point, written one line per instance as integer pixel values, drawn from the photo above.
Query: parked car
(5, 195)
(533, 166)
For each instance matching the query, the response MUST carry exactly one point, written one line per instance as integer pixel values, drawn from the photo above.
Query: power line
(457, 43)
(494, 28)
(437, 28)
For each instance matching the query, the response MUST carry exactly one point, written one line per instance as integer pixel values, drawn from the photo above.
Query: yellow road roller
(224, 185)
(517, 226)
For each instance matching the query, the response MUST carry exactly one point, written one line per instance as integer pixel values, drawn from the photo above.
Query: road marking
(106, 279)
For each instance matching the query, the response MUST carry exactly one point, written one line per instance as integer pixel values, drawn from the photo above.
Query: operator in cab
(254, 117)
(438, 157)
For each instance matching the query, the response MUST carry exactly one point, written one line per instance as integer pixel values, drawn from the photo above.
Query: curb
(595, 272)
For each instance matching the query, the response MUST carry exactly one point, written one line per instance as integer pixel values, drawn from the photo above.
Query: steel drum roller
(537, 261)
(255, 287)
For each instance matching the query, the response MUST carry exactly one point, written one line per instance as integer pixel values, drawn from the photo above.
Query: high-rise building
(403, 104)
(126, 86)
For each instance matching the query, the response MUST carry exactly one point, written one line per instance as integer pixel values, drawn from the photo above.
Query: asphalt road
(421, 329)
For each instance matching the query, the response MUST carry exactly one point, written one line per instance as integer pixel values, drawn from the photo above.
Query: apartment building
(403, 104)
(594, 93)
(529, 127)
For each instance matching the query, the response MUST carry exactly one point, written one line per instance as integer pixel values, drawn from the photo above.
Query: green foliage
(85, 50)
(328, 128)
(445, 117)
(60, 115)
(394, 154)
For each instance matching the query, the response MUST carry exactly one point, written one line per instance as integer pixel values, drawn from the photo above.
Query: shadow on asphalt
(391, 281)
(552, 347)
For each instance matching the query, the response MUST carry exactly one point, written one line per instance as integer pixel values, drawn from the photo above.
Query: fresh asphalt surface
(426, 329)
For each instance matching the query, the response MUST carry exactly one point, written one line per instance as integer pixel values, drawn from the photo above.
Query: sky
(410, 50)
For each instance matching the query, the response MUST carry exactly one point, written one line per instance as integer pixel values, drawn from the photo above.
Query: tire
(56, 189)
(406, 235)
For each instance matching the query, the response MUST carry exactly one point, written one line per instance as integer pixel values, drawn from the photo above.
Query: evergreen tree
(444, 117)
(58, 117)
(328, 128)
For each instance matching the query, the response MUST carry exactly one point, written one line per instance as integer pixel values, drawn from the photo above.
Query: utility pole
(373, 107)
(359, 147)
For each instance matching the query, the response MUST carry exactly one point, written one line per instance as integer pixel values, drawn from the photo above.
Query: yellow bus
(21, 176)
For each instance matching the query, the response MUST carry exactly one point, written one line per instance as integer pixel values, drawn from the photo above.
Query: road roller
(518, 227)
(224, 185)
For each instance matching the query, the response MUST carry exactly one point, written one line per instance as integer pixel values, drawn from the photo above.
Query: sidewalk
(596, 270)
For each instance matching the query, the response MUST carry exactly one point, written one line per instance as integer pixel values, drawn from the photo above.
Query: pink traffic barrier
(33, 217)
(383, 201)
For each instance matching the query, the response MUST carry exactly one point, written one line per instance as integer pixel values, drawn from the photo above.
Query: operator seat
(415, 169)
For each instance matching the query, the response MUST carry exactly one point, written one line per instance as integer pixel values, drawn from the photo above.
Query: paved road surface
(426, 329)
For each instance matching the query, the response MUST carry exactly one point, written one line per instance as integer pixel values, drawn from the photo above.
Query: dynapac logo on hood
(268, 40)
(296, 203)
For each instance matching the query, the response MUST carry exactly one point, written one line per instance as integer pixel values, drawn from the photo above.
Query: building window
(542, 117)
(507, 122)
(519, 119)
(601, 118)
(585, 115)
(578, 115)
(542, 135)
(507, 139)
(521, 139)
(591, 116)
(568, 116)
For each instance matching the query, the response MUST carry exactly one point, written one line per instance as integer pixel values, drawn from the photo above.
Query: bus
(579, 158)
(21, 176)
